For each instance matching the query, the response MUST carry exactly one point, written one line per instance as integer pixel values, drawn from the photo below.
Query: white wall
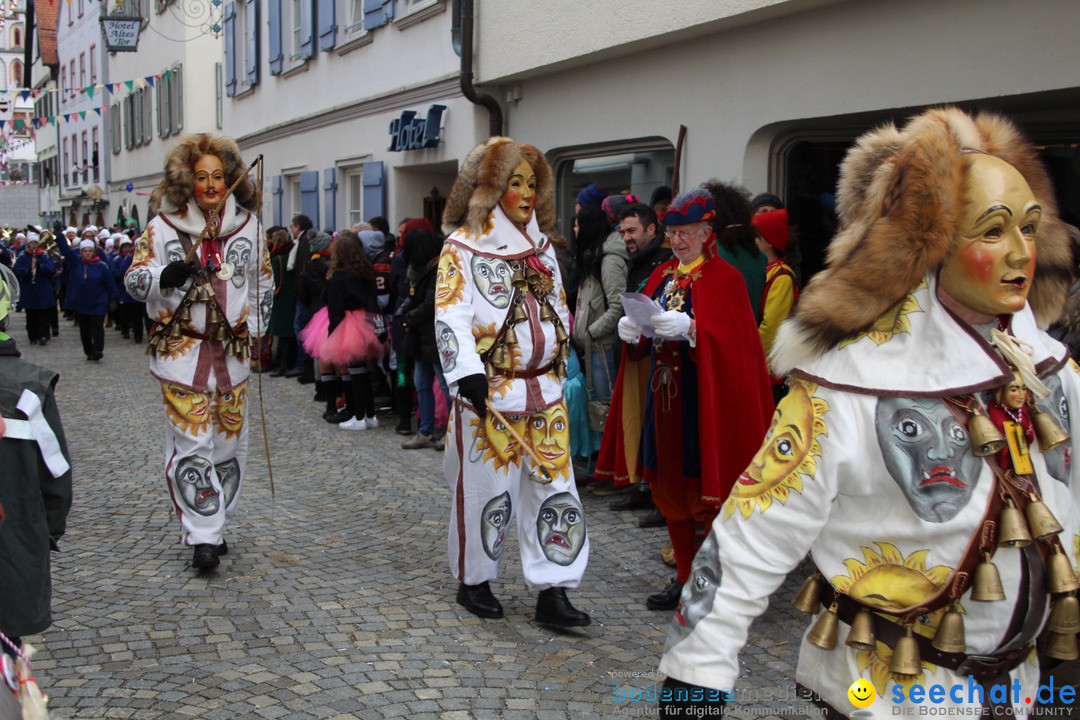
(73, 40)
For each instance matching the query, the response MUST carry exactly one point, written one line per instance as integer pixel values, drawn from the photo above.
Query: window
(146, 112)
(93, 64)
(94, 152)
(219, 87)
(117, 134)
(294, 199)
(82, 70)
(170, 112)
(85, 159)
(66, 163)
(354, 184)
(81, 4)
(63, 84)
(16, 73)
(296, 12)
(136, 8)
(354, 20)
(16, 36)
(74, 160)
(411, 12)
(71, 74)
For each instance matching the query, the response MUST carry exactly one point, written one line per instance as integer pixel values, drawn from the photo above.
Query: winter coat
(752, 268)
(120, 266)
(399, 295)
(598, 305)
(35, 504)
(344, 292)
(642, 265)
(418, 314)
(90, 286)
(281, 317)
(35, 289)
(309, 288)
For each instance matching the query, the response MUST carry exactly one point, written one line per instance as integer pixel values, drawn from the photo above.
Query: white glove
(672, 325)
(629, 331)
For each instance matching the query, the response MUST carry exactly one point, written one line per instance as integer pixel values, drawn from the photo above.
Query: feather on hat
(899, 199)
(482, 180)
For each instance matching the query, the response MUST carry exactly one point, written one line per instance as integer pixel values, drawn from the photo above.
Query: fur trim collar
(898, 199)
(482, 181)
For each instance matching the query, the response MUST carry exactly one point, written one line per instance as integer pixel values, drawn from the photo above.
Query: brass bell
(163, 344)
(1042, 522)
(823, 634)
(1014, 531)
(987, 584)
(1047, 431)
(560, 333)
(519, 315)
(218, 333)
(176, 331)
(950, 632)
(518, 278)
(905, 656)
(808, 599)
(1060, 646)
(498, 356)
(547, 313)
(212, 315)
(184, 312)
(509, 336)
(563, 352)
(1065, 615)
(1060, 577)
(986, 439)
(861, 636)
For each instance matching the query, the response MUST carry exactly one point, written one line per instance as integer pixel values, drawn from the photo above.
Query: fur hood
(899, 199)
(178, 183)
(482, 181)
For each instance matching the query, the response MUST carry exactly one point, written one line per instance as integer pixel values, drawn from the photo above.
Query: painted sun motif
(485, 335)
(887, 580)
(229, 410)
(449, 278)
(499, 446)
(144, 247)
(790, 450)
(1074, 366)
(894, 322)
(186, 409)
(489, 225)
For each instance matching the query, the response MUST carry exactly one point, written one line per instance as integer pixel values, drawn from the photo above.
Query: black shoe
(43, 340)
(306, 378)
(279, 371)
(478, 600)
(205, 557)
(294, 372)
(404, 427)
(554, 609)
(652, 519)
(96, 356)
(637, 500)
(125, 335)
(666, 599)
(339, 417)
(56, 332)
(223, 548)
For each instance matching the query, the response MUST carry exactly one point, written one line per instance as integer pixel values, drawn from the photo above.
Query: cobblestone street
(335, 600)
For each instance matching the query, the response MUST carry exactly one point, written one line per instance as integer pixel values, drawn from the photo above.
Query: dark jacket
(281, 316)
(120, 266)
(642, 265)
(418, 314)
(35, 288)
(35, 504)
(399, 295)
(90, 284)
(309, 289)
(344, 292)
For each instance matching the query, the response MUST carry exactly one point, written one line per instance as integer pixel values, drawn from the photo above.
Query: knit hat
(103, 234)
(92, 229)
(321, 241)
(613, 205)
(88, 243)
(33, 237)
(373, 242)
(109, 243)
(591, 195)
(773, 226)
(125, 240)
(70, 229)
(692, 206)
(763, 199)
(662, 192)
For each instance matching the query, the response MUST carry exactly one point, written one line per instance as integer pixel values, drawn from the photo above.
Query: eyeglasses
(682, 234)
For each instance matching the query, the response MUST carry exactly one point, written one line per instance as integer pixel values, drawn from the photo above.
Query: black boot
(347, 412)
(666, 599)
(363, 393)
(478, 600)
(553, 608)
(404, 408)
(205, 557)
(275, 361)
(331, 388)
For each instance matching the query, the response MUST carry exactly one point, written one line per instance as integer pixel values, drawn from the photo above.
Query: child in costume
(207, 314)
(502, 332)
(936, 564)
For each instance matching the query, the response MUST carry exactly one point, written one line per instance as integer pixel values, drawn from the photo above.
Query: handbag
(596, 409)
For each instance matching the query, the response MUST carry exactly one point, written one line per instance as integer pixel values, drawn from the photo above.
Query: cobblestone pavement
(335, 600)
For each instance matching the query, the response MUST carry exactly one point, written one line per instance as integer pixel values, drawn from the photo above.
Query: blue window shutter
(274, 55)
(327, 24)
(374, 190)
(229, 15)
(278, 188)
(307, 28)
(309, 194)
(377, 13)
(253, 42)
(330, 197)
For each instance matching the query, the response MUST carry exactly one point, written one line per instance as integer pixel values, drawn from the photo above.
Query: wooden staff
(678, 161)
(537, 460)
(214, 221)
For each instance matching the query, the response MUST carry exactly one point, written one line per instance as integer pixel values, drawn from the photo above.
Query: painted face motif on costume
(447, 344)
(449, 278)
(560, 528)
(549, 436)
(194, 485)
(499, 445)
(700, 589)
(1058, 460)
(230, 409)
(138, 283)
(993, 263)
(228, 475)
(186, 408)
(492, 278)
(209, 182)
(266, 306)
(519, 198)
(238, 253)
(174, 251)
(928, 454)
(494, 524)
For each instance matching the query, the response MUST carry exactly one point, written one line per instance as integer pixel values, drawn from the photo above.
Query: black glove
(176, 274)
(680, 700)
(474, 388)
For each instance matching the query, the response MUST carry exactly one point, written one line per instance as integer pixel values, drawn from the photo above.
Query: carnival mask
(519, 198)
(195, 487)
(560, 528)
(492, 277)
(494, 524)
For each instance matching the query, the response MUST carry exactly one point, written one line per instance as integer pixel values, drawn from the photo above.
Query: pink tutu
(353, 340)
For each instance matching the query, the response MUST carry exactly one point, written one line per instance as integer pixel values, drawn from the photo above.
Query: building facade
(18, 199)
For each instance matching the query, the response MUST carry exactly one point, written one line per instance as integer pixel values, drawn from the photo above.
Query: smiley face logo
(862, 693)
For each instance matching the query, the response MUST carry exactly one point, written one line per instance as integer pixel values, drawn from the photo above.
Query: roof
(46, 14)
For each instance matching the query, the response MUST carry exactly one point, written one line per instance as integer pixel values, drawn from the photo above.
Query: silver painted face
(174, 251)
(927, 453)
(560, 528)
(238, 254)
(698, 593)
(447, 344)
(1058, 460)
(495, 524)
(195, 487)
(138, 283)
(228, 473)
(492, 277)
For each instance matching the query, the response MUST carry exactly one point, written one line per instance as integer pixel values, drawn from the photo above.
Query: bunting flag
(89, 90)
(149, 80)
(130, 83)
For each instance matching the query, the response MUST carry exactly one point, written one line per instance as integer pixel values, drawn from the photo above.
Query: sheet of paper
(641, 309)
